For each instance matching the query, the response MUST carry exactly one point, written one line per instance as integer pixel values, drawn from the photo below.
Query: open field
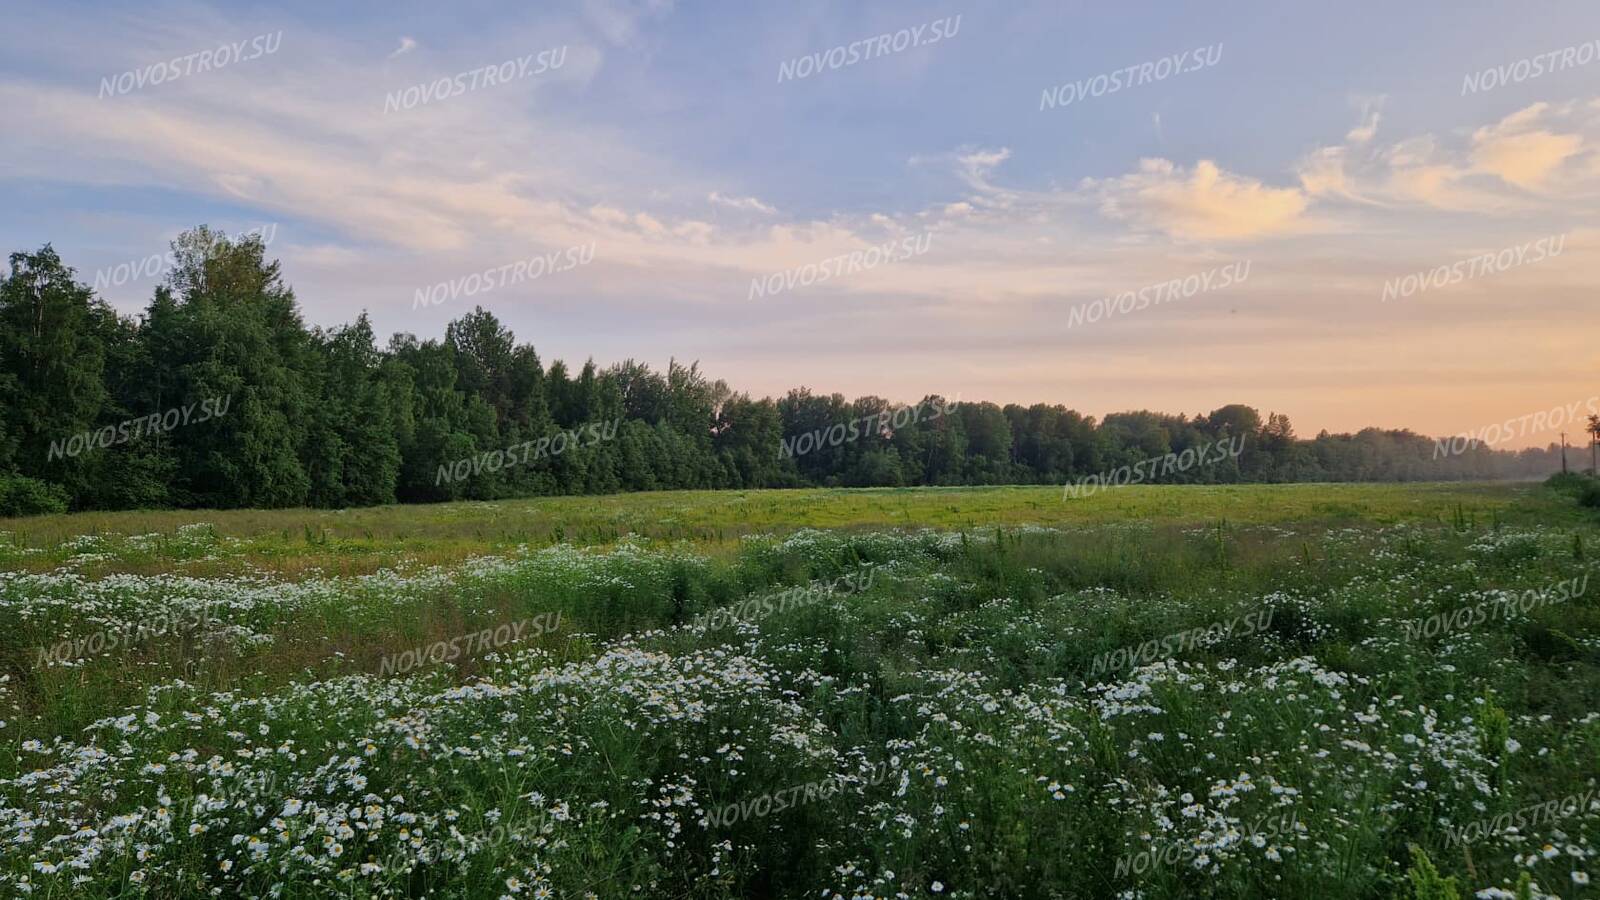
(1161, 692)
(290, 542)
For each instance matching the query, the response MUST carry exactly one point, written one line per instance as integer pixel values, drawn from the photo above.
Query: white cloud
(1371, 114)
(1205, 203)
(1519, 152)
(406, 46)
(1506, 167)
(1366, 130)
(749, 204)
(1323, 173)
(981, 161)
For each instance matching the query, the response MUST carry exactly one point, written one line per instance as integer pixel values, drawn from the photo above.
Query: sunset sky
(1332, 147)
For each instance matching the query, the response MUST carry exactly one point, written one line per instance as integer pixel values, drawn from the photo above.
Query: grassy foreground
(1152, 693)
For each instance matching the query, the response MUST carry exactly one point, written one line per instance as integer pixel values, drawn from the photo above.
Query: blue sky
(1333, 148)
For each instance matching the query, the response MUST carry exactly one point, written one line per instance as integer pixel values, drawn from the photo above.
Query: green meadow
(289, 541)
(1347, 691)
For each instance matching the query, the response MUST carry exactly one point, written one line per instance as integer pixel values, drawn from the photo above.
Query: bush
(1568, 482)
(23, 496)
(1590, 495)
(1583, 488)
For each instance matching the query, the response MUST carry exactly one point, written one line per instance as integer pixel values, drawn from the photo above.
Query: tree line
(219, 395)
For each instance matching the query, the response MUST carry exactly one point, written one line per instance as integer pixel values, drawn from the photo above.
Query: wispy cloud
(749, 204)
(1371, 114)
(1507, 166)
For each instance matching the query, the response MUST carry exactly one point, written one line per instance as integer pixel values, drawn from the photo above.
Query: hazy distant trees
(327, 417)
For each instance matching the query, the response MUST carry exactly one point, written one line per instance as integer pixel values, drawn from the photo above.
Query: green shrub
(1568, 482)
(23, 496)
(1590, 495)
(1583, 488)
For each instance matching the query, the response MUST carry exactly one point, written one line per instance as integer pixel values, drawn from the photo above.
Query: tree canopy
(219, 395)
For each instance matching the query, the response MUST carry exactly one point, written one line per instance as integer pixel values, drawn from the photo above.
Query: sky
(890, 198)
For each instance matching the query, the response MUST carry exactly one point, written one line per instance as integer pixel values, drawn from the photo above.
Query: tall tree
(237, 339)
(355, 421)
(52, 358)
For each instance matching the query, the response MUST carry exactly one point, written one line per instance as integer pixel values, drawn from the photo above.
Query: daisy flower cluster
(948, 707)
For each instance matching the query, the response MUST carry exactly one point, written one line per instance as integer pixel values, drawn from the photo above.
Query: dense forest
(219, 395)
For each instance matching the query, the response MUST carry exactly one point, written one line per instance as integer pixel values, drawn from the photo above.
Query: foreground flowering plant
(951, 708)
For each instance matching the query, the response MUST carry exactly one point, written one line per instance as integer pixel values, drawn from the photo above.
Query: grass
(301, 542)
(1264, 691)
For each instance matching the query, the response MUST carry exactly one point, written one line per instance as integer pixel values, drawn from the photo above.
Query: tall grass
(959, 711)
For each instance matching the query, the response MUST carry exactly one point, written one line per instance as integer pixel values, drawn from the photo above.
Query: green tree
(52, 360)
(1594, 445)
(355, 421)
(235, 336)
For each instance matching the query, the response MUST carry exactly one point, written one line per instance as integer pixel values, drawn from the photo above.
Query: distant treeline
(220, 396)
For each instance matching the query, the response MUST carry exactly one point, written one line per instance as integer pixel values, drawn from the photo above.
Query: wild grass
(295, 543)
(958, 726)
